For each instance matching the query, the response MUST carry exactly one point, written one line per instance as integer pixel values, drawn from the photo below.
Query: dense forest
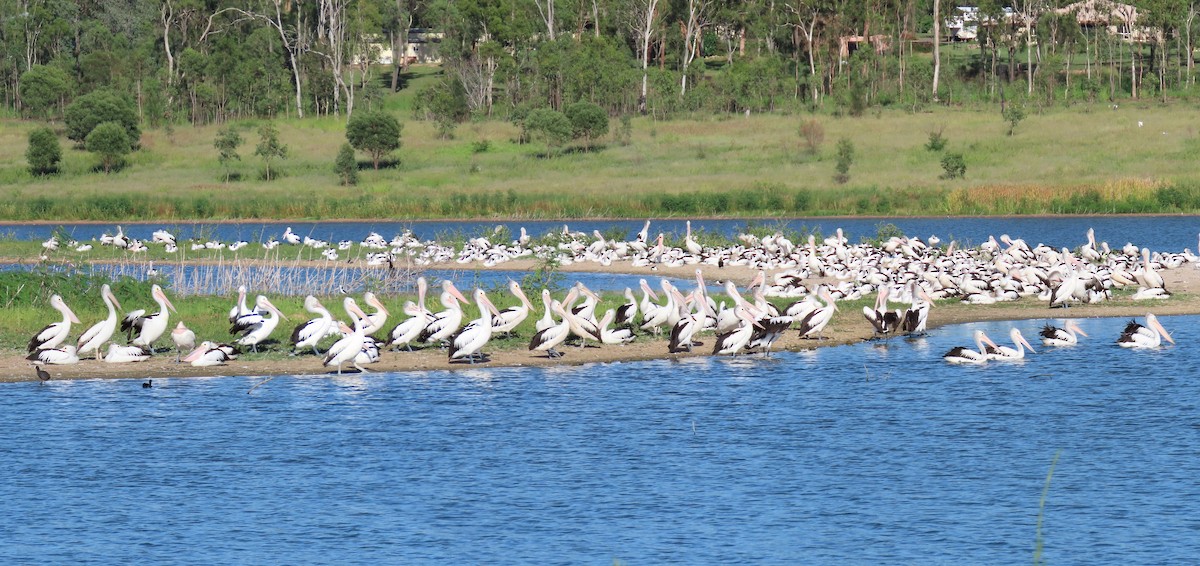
(206, 61)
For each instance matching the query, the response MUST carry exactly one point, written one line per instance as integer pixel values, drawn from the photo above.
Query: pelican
(57, 356)
(94, 338)
(692, 246)
(547, 320)
(377, 319)
(475, 335)
(917, 316)
(419, 317)
(735, 340)
(309, 334)
(880, 318)
(255, 332)
(816, 321)
(549, 338)
(54, 334)
(152, 326)
(511, 317)
(122, 354)
(445, 323)
(614, 335)
(1148, 336)
(628, 310)
(351, 343)
(240, 309)
(1006, 353)
(208, 354)
(183, 338)
(1065, 336)
(964, 355)
(1146, 276)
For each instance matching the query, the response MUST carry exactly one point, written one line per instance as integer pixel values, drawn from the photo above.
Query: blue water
(876, 453)
(1165, 233)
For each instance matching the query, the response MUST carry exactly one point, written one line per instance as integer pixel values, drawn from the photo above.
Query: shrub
(377, 133)
(97, 107)
(227, 143)
(109, 141)
(44, 90)
(269, 147)
(624, 133)
(845, 158)
(954, 166)
(44, 153)
(588, 121)
(346, 166)
(549, 125)
(481, 146)
(813, 133)
(937, 141)
(1013, 114)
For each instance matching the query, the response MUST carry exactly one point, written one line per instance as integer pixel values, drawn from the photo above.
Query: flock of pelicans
(817, 274)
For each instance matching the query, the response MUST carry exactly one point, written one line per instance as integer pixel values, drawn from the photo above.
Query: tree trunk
(937, 45)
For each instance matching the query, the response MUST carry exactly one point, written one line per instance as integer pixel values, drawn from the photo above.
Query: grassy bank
(1092, 159)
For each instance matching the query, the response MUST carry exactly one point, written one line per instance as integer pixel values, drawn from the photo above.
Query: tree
(44, 90)
(43, 153)
(588, 121)
(346, 166)
(845, 158)
(227, 142)
(549, 125)
(97, 107)
(109, 141)
(444, 102)
(269, 147)
(376, 132)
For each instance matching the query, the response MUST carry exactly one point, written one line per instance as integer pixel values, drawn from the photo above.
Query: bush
(227, 143)
(813, 133)
(937, 141)
(44, 90)
(1013, 114)
(346, 166)
(43, 153)
(588, 121)
(954, 165)
(109, 141)
(97, 107)
(269, 147)
(481, 146)
(845, 158)
(548, 125)
(445, 102)
(377, 133)
(624, 133)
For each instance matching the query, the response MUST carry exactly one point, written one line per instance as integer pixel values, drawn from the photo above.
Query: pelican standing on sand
(95, 337)
(183, 338)
(547, 339)
(475, 336)
(309, 334)
(54, 334)
(446, 322)
(351, 343)
(152, 326)
(255, 332)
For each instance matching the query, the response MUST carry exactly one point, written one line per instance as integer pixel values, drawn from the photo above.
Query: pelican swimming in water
(1149, 336)
(1065, 336)
(95, 337)
(1006, 353)
(56, 333)
(964, 355)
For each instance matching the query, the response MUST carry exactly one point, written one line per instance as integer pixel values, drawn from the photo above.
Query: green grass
(1085, 159)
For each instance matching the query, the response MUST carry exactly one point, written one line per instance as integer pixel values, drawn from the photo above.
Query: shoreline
(847, 328)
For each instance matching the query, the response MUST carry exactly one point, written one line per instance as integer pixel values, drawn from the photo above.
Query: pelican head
(161, 297)
(60, 305)
(1152, 321)
(263, 302)
(106, 292)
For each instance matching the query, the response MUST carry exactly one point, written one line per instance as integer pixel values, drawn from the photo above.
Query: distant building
(422, 47)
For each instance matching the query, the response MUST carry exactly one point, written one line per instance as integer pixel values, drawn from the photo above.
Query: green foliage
(937, 141)
(376, 132)
(1013, 114)
(101, 106)
(551, 126)
(813, 134)
(444, 102)
(624, 133)
(346, 166)
(480, 146)
(44, 90)
(588, 121)
(43, 153)
(109, 141)
(269, 147)
(227, 141)
(954, 166)
(845, 158)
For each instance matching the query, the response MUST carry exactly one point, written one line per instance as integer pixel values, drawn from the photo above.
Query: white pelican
(917, 316)
(57, 356)
(1149, 336)
(419, 317)
(688, 325)
(208, 354)
(123, 354)
(628, 310)
(290, 237)
(735, 340)
(475, 335)
(692, 246)
(880, 318)
(656, 316)
(613, 335)
(964, 355)
(1065, 336)
(152, 326)
(240, 309)
(814, 324)
(445, 323)
(1146, 276)
(1006, 353)
(255, 332)
(1151, 293)
(94, 338)
(183, 338)
(377, 319)
(54, 334)
(310, 333)
(511, 317)
(547, 320)
(549, 338)
(351, 343)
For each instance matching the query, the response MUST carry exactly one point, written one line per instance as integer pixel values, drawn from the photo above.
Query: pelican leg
(360, 368)
(315, 350)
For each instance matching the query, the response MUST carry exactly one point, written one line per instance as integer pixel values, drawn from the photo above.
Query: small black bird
(149, 383)
(42, 374)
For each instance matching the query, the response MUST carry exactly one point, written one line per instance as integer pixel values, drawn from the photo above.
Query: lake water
(877, 453)
(1165, 233)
